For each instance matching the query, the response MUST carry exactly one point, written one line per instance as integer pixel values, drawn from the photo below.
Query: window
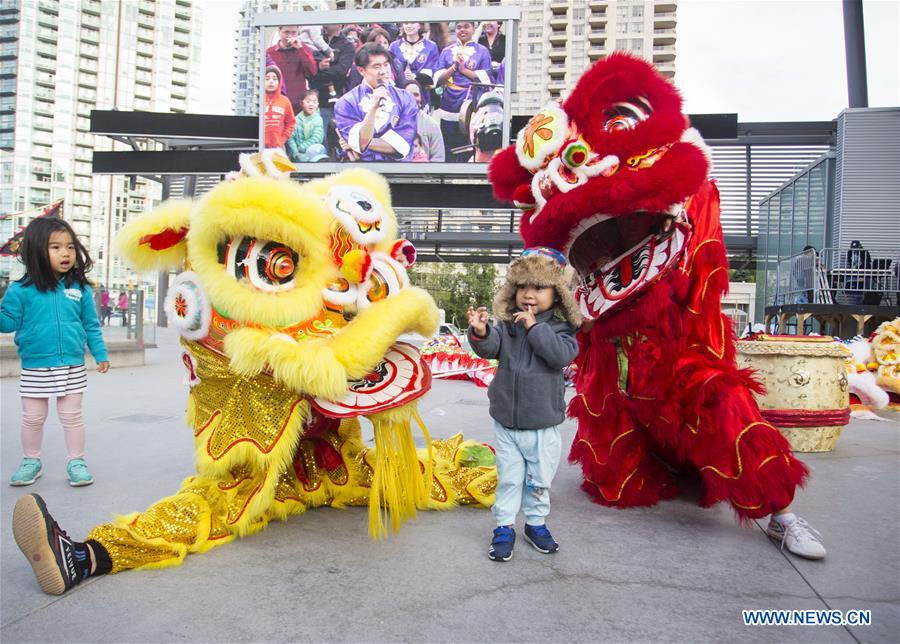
(637, 27)
(637, 45)
(622, 43)
(621, 27)
(622, 12)
(637, 11)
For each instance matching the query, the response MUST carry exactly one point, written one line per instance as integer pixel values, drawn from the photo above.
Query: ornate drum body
(806, 395)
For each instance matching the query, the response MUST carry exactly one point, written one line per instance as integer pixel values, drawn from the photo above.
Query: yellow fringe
(398, 487)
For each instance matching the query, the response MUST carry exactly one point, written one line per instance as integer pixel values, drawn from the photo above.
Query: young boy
(279, 123)
(306, 143)
(526, 396)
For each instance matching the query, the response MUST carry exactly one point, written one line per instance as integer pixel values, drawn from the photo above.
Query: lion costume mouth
(618, 256)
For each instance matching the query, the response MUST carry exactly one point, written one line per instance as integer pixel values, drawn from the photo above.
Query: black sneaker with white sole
(57, 561)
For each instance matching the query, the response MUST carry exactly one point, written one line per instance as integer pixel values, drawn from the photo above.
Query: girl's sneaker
(539, 536)
(29, 471)
(78, 472)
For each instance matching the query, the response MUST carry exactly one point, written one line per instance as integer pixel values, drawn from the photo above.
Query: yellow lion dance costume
(289, 308)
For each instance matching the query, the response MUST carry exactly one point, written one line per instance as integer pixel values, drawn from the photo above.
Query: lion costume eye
(576, 154)
(627, 115)
(268, 265)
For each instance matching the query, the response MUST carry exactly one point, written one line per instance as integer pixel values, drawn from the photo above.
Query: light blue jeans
(527, 460)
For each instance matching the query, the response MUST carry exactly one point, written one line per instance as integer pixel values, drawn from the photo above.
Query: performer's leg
(616, 461)
(742, 458)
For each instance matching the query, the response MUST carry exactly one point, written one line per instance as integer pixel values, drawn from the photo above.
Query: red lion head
(604, 176)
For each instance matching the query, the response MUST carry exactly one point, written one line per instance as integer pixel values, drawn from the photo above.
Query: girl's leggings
(34, 413)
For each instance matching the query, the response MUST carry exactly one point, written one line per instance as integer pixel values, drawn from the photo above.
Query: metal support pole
(162, 279)
(855, 49)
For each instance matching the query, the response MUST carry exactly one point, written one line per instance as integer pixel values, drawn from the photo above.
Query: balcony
(44, 79)
(49, 7)
(91, 7)
(9, 6)
(559, 7)
(597, 20)
(90, 35)
(663, 37)
(664, 6)
(556, 85)
(596, 53)
(597, 37)
(663, 53)
(557, 54)
(558, 38)
(45, 64)
(598, 5)
(559, 23)
(147, 8)
(557, 71)
(664, 20)
(47, 35)
(48, 20)
(667, 69)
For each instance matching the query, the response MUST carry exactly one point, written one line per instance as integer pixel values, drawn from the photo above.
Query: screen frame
(509, 16)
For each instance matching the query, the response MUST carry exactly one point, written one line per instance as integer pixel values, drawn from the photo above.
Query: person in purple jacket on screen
(419, 53)
(376, 120)
(460, 64)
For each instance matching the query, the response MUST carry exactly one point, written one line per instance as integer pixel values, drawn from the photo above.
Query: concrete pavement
(674, 572)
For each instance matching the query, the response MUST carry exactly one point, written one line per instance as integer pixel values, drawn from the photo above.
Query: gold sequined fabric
(231, 409)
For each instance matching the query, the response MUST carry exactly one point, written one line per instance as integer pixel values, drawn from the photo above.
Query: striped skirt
(52, 381)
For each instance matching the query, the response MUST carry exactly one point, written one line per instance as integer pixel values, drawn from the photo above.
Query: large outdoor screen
(393, 89)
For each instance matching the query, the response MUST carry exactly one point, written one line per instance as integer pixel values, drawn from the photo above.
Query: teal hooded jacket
(53, 327)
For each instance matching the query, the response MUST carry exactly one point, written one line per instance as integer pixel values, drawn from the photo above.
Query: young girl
(51, 309)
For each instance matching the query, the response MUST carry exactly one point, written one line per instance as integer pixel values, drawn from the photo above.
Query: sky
(766, 60)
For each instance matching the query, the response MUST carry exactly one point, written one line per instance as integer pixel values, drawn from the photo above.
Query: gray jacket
(528, 390)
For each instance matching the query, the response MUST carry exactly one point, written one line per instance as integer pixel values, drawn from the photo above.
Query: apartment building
(60, 59)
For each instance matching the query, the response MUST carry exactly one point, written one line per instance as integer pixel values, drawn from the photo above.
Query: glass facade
(798, 214)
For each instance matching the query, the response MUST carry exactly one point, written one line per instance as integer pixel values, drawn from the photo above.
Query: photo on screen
(376, 92)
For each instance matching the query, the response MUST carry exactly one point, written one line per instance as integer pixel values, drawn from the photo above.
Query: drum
(806, 395)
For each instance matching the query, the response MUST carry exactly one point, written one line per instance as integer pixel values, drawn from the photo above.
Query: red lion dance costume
(616, 179)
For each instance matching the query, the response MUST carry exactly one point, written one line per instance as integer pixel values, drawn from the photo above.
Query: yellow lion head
(304, 281)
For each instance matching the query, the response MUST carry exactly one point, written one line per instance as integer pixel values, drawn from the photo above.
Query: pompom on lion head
(603, 177)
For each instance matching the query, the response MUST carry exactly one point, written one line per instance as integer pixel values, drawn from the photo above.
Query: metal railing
(839, 275)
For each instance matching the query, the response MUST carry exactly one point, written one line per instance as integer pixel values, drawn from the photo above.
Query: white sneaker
(798, 538)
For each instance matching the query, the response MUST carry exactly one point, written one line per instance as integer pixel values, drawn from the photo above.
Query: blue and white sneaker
(29, 471)
(539, 537)
(78, 472)
(502, 544)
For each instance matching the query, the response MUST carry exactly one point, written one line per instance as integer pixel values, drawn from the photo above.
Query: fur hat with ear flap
(539, 267)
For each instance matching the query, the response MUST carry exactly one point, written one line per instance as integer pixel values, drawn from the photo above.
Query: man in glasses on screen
(375, 118)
